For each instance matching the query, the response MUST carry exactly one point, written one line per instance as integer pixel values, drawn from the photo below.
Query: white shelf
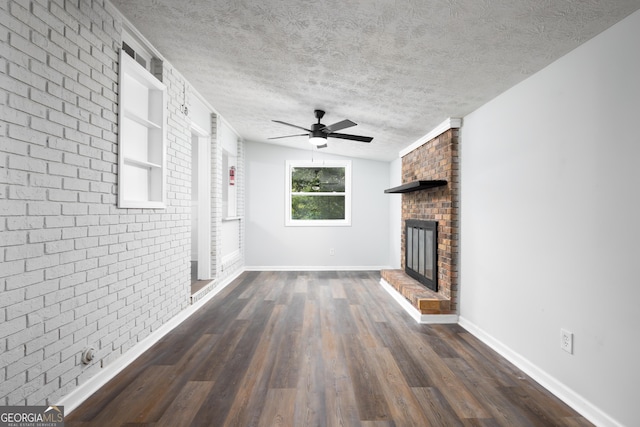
(142, 137)
(141, 163)
(145, 204)
(141, 120)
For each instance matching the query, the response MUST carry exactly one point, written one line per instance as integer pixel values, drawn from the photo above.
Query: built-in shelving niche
(142, 137)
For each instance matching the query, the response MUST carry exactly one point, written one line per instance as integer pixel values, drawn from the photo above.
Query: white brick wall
(216, 197)
(74, 269)
(237, 263)
(220, 271)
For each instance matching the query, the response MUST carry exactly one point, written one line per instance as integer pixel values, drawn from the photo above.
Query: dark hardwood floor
(318, 349)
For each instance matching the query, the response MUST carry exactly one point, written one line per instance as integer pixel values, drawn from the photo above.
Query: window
(318, 194)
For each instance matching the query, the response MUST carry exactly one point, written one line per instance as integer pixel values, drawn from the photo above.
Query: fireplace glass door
(421, 252)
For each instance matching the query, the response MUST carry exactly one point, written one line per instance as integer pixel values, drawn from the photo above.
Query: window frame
(346, 222)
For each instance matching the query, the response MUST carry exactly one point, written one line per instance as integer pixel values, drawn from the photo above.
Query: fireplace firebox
(421, 252)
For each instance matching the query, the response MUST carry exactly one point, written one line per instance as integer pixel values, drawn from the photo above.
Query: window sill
(318, 223)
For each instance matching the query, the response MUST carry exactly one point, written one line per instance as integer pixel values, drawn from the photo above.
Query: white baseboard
(316, 268)
(72, 400)
(230, 259)
(561, 391)
(414, 312)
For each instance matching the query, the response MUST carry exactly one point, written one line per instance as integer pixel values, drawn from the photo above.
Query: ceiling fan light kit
(317, 140)
(319, 133)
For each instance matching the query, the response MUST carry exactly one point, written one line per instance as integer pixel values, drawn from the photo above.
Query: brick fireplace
(430, 192)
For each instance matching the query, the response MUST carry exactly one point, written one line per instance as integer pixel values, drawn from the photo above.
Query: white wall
(549, 223)
(199, 113)
(269, 244)
(395, 213)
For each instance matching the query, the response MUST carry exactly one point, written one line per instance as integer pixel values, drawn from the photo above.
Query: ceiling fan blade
(338, 126)
(289, 136)
(289, 124)
(352, 137)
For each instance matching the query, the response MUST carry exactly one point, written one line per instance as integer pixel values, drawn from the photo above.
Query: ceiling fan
(319, 133)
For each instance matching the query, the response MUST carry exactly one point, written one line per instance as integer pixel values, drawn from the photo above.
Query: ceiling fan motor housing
(316, 131)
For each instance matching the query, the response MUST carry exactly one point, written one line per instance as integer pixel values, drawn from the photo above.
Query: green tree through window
(318, 194)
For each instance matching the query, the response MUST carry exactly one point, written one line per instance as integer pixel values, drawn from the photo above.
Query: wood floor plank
(256, 293)
(278, 408)
(225, 315)
(192, 358)
(181, 411)
(224, 349)
(403, 405)
(227, 381)
(492, 397)
(435, 407)
(337, 289)
(351, 286)
(257, 297)
(318, 349)
(135, 402)
(301, 284)
(344, 321)
(406, 357)
(491, 357)
(274, 284)
(482, 422)
(310, 404)
(328, 316)
(459, 397)
(288, 354)
(288, 280)
(378, 424)
(574, 422)
(249, 401)
(341, 405)
(532, 406)
(372, 404)
(439, 345)
(367, 331)
(541, 400)
(484, 366)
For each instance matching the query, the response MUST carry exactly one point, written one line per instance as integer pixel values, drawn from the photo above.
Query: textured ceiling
(397, 68)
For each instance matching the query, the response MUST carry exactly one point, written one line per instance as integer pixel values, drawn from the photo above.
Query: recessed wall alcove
(436, 161)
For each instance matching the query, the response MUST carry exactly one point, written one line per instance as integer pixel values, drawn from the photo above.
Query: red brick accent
(437, 159)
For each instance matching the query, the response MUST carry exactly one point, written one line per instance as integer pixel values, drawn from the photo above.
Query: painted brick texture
(437, 159)
(216, 195)
(219, 269)
(74, 269)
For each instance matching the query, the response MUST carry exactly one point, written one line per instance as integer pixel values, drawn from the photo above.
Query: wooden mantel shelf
(416, 186)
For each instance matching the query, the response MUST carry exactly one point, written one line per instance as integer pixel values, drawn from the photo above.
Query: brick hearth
(425, 300)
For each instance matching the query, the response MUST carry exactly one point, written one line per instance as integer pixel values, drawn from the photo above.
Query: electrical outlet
(332, 251)
(566, 341)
